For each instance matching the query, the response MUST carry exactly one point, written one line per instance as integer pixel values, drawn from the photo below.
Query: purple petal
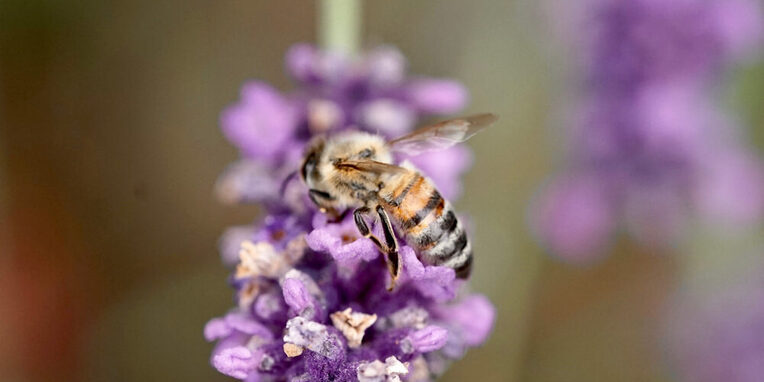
(472, 318)
(237, 362)
(261, 123)
(572, 217)
(301, 60)
(230, 243)
(270, 307)
(342, 242)
(387, 116)
(435, 282)
(385, 66)
(247, 181)
(297, 296)
(244, 323)
(741, 26)
(673, 121)
(306, 290)
(217, 328)
(433, 96)
(731, 189)
(428, 339)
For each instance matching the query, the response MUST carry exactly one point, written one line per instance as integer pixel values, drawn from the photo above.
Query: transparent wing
(371, 166)
(442, 135)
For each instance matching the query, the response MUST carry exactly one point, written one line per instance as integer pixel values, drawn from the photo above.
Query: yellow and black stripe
(431, 225)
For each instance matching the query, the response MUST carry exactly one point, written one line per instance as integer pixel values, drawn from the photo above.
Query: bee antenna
(286, 181)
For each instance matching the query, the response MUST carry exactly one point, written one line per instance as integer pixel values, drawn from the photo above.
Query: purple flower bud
(715, 334)
(573, 218)
(343, 242)
(235, 362)
(300, 62)
(435, 282)
(385, 66)
(261, 123)
(425, 340)
(247, 181)
(741, 26)
(216, 328)
(244, 323)
(270, 307)
(230, 243)
(437, 96)
(730, 174)
(387, 116)
(297, 297)
(470, 319)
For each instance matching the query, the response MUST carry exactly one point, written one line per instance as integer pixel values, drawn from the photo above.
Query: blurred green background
(110, 148)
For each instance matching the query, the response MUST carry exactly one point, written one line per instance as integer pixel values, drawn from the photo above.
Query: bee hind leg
(389, 247)
(394, 263)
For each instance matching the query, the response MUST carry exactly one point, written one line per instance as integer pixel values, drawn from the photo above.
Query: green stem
(339, 25)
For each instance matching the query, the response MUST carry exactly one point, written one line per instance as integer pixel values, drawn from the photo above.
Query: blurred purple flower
(436, 96)
(311, 296)
(574, 217)
(261, 123)
(730, 174)
(647, 148)
(230, 243)
(718, 337)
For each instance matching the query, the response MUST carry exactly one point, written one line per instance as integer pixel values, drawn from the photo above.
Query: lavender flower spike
(311, 296)
(646, 144)
(717, 336)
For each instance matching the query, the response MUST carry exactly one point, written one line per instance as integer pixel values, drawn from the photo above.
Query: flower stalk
(339, 25)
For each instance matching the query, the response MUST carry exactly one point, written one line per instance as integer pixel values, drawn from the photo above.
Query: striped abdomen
(429, 223)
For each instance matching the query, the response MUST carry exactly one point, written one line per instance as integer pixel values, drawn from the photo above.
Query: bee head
(330, 185)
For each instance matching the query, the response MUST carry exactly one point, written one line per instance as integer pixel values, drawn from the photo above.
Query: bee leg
(363, 228)
(390, 247)
(316, 196)
(394, 262)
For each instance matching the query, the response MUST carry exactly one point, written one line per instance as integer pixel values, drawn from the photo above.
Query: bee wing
(442, 135)
(371, 166)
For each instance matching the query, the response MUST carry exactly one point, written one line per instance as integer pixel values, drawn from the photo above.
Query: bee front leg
(317, 196)
(389, 247)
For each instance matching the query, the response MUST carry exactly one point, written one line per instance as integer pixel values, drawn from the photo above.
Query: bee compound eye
(366, 153)
(308, 165)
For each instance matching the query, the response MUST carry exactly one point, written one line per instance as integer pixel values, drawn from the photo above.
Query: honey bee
(355, 170)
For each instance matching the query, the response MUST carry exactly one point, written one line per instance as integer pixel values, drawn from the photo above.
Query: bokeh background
(110, 147)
